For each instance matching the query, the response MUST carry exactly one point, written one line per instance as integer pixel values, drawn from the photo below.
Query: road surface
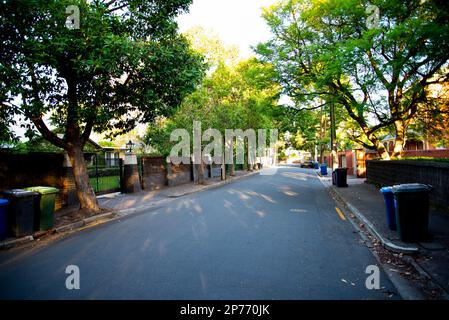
(261, 237)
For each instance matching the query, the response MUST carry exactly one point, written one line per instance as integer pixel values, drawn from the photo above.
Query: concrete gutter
(15, 242)
(386, 243)
(405, 289)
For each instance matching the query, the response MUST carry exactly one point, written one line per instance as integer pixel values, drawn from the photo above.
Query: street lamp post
(129, 146)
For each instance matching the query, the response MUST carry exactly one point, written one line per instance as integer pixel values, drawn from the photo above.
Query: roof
(113, 148)
(94, 144)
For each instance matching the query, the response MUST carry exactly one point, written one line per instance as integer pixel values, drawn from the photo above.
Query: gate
(105, 175)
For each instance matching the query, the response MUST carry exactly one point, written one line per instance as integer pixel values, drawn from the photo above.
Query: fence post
(131, 174)
(122, 180)
(96, 172)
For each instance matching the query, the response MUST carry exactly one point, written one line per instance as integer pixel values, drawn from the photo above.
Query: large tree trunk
(380, 147)
(381, 150)
(231, 165)
(200, 172)
(250, 164)
(335, 159)
(400, 139)
(231, 169)
(84, 191)
(323, 122)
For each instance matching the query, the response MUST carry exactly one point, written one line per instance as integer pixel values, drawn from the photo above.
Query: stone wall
(178, 174)
(388, 173)
(154, 173)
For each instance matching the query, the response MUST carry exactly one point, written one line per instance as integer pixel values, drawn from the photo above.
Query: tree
(209, 44)
(241, 96)
(433, 117)
(124, 64)
(235, 94)
(331, 50)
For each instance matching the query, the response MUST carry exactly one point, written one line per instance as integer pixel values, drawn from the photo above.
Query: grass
(105, 183)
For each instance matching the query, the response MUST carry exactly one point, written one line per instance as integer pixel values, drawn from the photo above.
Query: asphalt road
(262, 237)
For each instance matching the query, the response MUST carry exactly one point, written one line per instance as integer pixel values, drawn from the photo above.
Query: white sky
(237, 22)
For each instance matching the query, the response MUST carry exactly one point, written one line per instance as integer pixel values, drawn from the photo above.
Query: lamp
(129, 146)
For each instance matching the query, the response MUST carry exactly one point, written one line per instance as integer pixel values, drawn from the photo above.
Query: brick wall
(154, 173)
(38, 169)
(395, 172)
(179, 174)
(349, 155)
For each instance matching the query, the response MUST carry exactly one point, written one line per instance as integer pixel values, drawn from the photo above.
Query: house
(411, 144)
(112, 155)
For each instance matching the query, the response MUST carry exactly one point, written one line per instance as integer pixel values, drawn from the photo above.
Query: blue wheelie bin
(3, 204)
(323, 168)
(389, 207)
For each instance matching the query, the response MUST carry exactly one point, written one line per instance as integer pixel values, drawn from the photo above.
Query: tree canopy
(124, 64)
(331, 51)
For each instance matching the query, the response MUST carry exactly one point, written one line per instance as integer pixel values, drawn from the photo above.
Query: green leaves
(126, 63)
(243, 96)
(325, 49)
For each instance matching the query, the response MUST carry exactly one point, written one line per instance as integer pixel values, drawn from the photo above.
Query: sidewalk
(367, 204)
(118, 205)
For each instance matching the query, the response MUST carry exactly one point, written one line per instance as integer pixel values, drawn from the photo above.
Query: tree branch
(87, 131)
(47, 134)
(117, 8)
(306, 108)
(377, 70)
(364, 144)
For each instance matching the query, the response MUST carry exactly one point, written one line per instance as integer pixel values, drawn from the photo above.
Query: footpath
(366, 204)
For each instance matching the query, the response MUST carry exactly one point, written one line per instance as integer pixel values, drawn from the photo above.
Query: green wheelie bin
(411, 202)
(44, 207)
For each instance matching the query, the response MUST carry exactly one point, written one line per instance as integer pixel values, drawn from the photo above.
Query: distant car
(306, 161)
(307, 164)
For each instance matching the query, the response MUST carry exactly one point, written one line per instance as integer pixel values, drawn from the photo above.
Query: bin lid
(43, 190)
(3, 202)
(386, 189)
(18, 193)
(411, 188)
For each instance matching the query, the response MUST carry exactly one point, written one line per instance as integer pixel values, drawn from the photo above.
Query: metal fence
(106, 175)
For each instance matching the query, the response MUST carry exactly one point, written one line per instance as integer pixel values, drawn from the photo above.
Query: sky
(237, 22)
